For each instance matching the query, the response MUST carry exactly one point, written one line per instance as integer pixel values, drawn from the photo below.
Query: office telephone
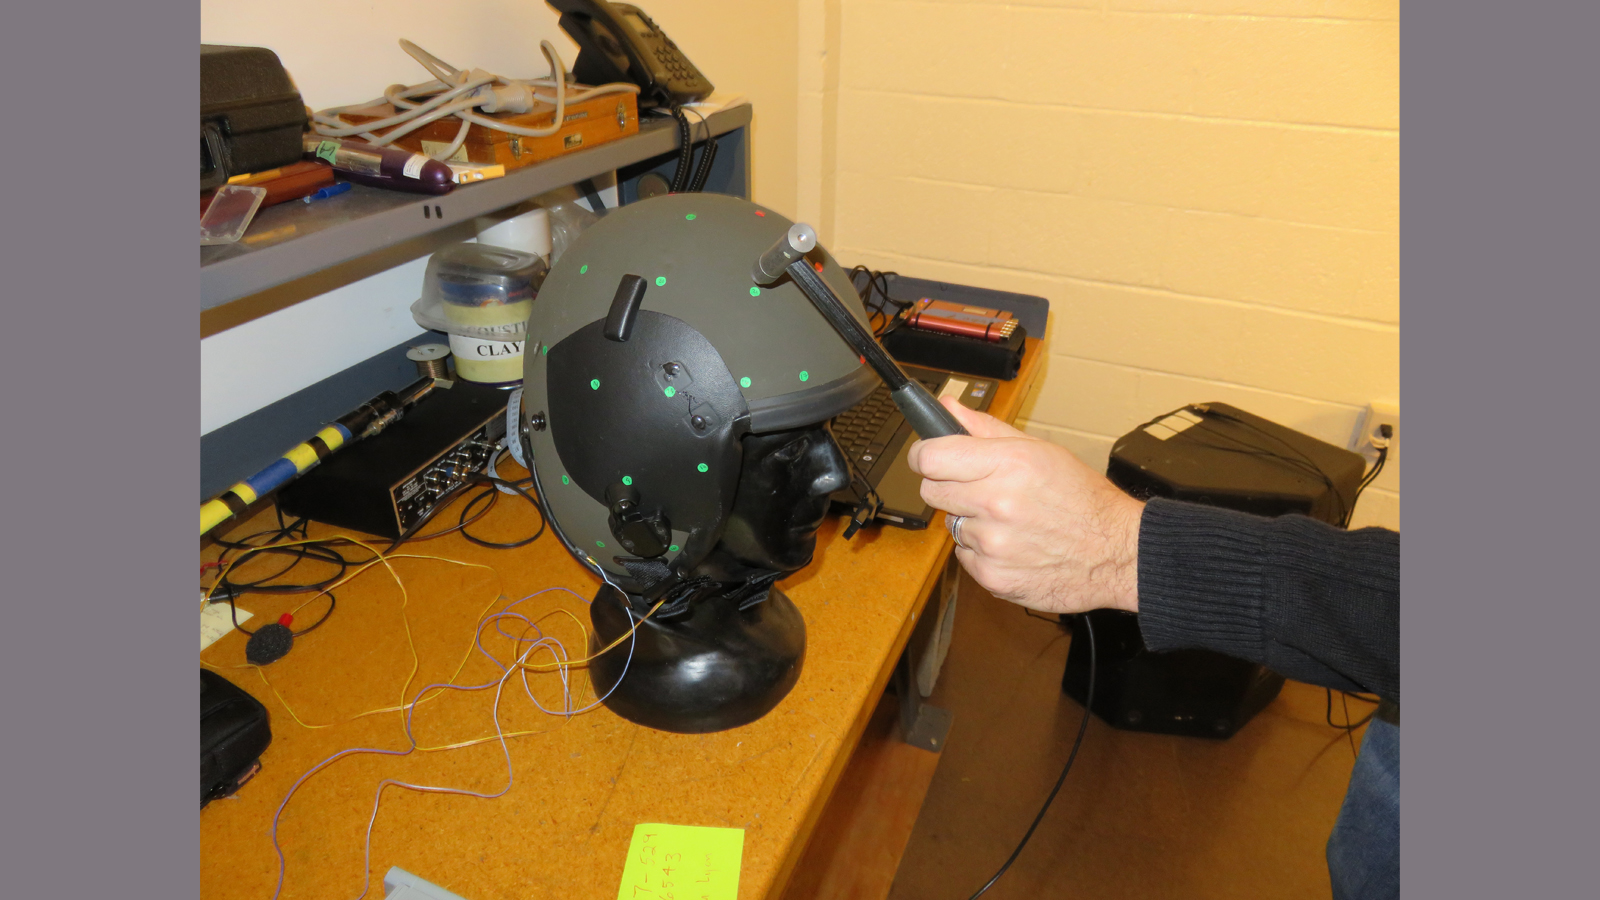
(618, 42)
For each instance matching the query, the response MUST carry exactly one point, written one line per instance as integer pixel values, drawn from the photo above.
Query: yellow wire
(514, 734)
(545, 667)
(411, 644)
(404, 619)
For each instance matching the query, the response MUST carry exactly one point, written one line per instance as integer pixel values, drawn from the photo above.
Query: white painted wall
(1206, 191)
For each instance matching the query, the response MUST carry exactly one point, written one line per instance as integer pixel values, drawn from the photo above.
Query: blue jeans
(1364, 849)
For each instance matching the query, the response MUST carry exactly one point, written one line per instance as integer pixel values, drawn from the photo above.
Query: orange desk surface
(581, 784)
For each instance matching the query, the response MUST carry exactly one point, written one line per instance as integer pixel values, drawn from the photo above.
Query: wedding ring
(954, 523)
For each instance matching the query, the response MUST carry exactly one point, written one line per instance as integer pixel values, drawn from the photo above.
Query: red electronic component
(956, 318)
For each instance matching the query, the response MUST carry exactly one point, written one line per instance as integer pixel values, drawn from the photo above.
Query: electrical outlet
(1370, 434)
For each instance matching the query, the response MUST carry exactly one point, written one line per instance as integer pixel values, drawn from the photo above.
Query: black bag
(251, 116)
(233, 734)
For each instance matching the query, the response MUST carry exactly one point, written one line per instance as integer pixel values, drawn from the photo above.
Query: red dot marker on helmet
(761, 214)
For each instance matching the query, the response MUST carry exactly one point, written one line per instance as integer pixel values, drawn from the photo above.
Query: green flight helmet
(651, 351)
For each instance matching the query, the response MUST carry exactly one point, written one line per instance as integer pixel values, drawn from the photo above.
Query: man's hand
(1043, 529)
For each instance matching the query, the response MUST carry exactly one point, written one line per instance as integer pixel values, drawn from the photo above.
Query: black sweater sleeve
(1305, 599)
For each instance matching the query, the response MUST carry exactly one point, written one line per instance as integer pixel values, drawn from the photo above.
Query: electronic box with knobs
(388, 483)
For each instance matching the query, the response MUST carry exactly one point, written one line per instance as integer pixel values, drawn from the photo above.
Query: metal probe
(927, 417)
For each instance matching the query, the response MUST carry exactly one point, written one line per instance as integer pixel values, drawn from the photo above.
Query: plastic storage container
(480, 295)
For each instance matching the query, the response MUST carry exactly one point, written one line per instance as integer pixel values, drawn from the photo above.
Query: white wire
(556, 649)
(457, 92)
(500, 451)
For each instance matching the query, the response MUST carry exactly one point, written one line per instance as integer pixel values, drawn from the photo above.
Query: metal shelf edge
(225, 281)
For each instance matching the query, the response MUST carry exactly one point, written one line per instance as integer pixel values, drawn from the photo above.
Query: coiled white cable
(457, 92)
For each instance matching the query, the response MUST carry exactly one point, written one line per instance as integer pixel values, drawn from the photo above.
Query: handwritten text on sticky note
(682, 862)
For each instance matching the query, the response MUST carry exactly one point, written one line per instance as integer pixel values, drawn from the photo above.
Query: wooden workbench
(581, 784)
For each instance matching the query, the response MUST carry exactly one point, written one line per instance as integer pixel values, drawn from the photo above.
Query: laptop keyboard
(865, 430)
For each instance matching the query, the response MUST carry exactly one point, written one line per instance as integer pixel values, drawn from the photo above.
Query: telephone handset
(618, 42)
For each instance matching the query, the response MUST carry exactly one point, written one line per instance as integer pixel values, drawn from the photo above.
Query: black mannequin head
(782, 498)
(722, 660)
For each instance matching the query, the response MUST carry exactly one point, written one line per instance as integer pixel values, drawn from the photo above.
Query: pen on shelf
(332, 190)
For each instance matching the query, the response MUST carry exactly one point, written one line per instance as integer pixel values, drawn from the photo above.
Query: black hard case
(251, 115)
(234, 732)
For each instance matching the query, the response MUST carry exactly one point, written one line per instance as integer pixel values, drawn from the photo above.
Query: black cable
(318, 550)
(1348, 725)
(1346, 508)
(1083, 726)
(1304, 463)
(494, 484)
(1350, 730)
(874, 294)
(228, 590)
(233, 613)
(680, 175)
(703, 170)
(332, 601)
(592, 194)
(1377, 467)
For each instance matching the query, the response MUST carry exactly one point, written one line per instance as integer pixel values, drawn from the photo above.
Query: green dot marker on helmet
(703, 467)
(660, 280)
(600, 544)
(565, 480)
(745, 381)
(627, 479)
(669, 390)
(583, 270)
(673, 549)
(755, 291)
(545, 350)
(690, 217)
(594, 384)
(804, 375)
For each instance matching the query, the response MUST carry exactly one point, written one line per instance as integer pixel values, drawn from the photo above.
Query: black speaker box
(1218, 455)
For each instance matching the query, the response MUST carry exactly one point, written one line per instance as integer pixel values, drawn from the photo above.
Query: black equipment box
(386, 484)
(1218, 455)
(251, 116)
(968, 355)
(234, 732)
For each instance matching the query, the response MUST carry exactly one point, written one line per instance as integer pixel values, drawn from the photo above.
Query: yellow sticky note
(682, 862)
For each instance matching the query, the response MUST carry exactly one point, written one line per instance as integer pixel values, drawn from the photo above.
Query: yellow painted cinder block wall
(1206, 190)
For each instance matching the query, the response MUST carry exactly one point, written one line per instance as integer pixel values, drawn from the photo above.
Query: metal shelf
(293, 240)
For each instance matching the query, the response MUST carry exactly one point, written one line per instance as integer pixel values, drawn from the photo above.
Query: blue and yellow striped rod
(297, 461)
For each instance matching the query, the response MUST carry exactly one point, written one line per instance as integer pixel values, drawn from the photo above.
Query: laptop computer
(876, 439)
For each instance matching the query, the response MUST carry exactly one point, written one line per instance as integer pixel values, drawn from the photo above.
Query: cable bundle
(464, 94)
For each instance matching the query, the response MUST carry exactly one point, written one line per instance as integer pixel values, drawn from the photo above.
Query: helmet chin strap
(663, 582)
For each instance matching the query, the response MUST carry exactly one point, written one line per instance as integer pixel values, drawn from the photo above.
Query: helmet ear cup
(648, 430)
(643, 535)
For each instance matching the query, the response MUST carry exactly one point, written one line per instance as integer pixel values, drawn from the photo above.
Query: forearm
(1307, 600)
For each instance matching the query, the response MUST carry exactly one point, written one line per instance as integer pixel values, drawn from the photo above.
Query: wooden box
(587, 124)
